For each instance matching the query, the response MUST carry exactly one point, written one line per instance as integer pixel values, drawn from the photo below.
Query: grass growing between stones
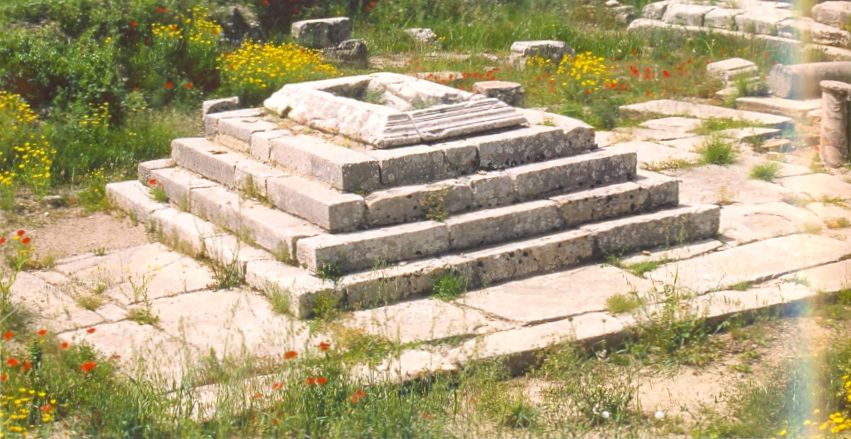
(716, 150)
(765, 172)
(623, 303)
(714, 125)
(449, 286)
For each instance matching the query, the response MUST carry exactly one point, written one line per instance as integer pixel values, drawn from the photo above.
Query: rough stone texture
(332, 210)
(211, 121)
(640, 133)
(752, 262)
(241, 128)
(362, 250)
(297, 286)
(460, 156)
(134, 198)
(655, 10)
(721, 184)
(390, 284)
(674, 253)
(340, 167)
(211, 106)
(411, 203)
(422, 35)
(183, 230)
(557, 295)
(477, 229)
(177, 183)
(321, 33)
(720, 18)
(547, 49)
(833, 13)
(617, 200)
(685, 14)
(261, 144)
(807, 29)
(200, 155)
(524, 145)
(763, 21)
(409, 165)
(744, 223)
(52, 304)
(732, 69)
(835, 138)
(351, 53)
(572, 173)
(511, 93)
(669, 107)
(676, 124)
(421, 320)
(145, 168)
(795, 108)
(817, 186)
(492, 190)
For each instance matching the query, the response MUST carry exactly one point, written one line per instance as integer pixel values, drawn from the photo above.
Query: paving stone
(296, 284)
(638, 133)
(691, 15)
(568, 174)
(831, 214)
(116, 267)
(817, 186)
(579, 134)
(676, 124)
(746, 223)
(55, 309)
(652, 154)
(669, 107)
(140, 350)
(754, 262)
(832, 13)
(784, 107)
(181, 276)
(763, 21)
(133, 197)
(674, 253)
(321, 33)
(409, 165)
(750, 134)
(233, 323)
(828, 278)
(807, 29)
(424, 320)
(720, 305)
(362, 250)
(720, 18)
(557, 295)
(340, 167)
(724, 185)
(606, 138)
(332, 210)
(503, 224)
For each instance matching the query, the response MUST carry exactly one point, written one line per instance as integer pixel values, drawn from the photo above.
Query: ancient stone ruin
(368, 189)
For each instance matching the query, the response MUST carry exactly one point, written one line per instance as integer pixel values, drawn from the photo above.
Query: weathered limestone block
(261, 143)
(655, 10)
(422, 35)
(580, 135)
(219, 105)
(363, 250)
(668, 107)
(133, 197)
(242, 128)
(145, 168)
(332, 210)
(572, 173)
(520, 146)
(732, 69)
(511, 93)
(200, 155)
(417, 202)
(801, 81)
(489, 226)
(211, 120)
(807, 29)
(689, 15)
(616, 200)
(624, 13)
(548, 49)
(764, 21)
(321, 33)
(722, 18)
(492, 190)
(460, 156)
(835, 123)
(177, 183)
(350, 53)
(341, 168)
(833, 13)
(409, 164)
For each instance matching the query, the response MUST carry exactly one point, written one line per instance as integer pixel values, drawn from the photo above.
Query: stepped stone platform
(321, 194)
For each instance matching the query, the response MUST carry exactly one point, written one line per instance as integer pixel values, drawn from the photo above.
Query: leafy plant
(450, 285)
(766, 171)
(716, 150)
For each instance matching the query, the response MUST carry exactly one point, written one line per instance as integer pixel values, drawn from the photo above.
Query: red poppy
(169, 85)
(2, 240)
(161, 9)
(26, 241)
(13, 362)
(64, 345)
(310, 381)
(666, 73)
(27, 366)
(152, 182)
(4, 377)
(587, 92)
(8, 335)
(91, 330)
(42, 332)
(47, 408)
(324, 346)
(322, 381)
(20, 232)
(634, 70)
(258, 395)
(277, 386)
(188, 86)
(289, 355)
(133, 23)
(88, 366)
(357, 396)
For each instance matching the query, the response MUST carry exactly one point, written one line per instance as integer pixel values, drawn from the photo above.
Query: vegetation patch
(766, 171)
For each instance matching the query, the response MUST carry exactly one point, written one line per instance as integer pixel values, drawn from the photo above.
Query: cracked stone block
(550, 50)
(511, 93)
(689, 15)
(833, 13)
(321, 33)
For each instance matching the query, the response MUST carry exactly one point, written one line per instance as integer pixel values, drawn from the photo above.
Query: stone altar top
(386, 110)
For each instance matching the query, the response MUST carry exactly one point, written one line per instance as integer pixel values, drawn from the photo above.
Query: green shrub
(766, 171)
(717, 150)
(449, 286)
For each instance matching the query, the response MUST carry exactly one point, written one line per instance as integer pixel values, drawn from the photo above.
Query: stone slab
(183, 230)
(763, 21)
(424, 320)
(686, 14)
(410, 203)
(144, 169)
(817, 186)
(744, 223)
(522, 146)
(241, 128)
(340, 167)
(51, 304)
(676, 253)
(181, 276)
(807, 29)
(669, 107)
(557, 295)
(675, 124)
(833, 13)
(797, 109)
(409, 165)
(721, 18)
(754, 262)
(726, 184)
(828, 278)
(489, 226)
(178, 183)
(651, 153)
(732, 69)
(332, 210)
(203, 157)
(211, 121)
(655, 10)
(134, 198)
(321, 33)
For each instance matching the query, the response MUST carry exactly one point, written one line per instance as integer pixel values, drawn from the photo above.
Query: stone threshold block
(386, 110)
(667, 107)
(311, 200)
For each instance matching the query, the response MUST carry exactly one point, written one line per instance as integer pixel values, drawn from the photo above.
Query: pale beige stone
(744, 223)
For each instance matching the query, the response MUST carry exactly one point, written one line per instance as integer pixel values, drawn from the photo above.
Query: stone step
(498, 188)
(668, 107)
(797, 109)
(362, 250)
(325, 207)
(354, 168)
(384, 285)
(255, 222)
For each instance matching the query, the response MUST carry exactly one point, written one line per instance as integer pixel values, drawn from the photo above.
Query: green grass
(717, 150)
(766, 171)
(449, 286)
(623, 303)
